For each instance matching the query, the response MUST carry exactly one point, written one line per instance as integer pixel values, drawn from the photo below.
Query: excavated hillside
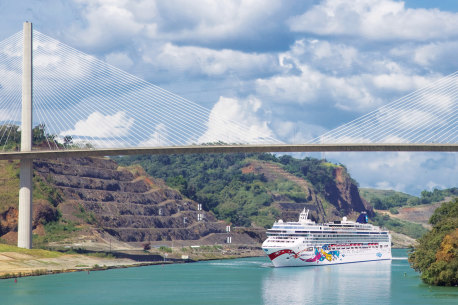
(127, 204)
(289, 208)
(341, 198)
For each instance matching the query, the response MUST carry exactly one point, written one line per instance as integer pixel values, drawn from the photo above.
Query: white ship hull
(296, 257)
(306, 243)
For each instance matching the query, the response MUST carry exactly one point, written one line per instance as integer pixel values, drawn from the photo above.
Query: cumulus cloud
(401, 171)
(98, 125)
(120, 60)
(406, 119)
(9, 115)
(10, 82)
(400, 82)
(441, 101)
(107, 24)
(312, 87)
(210, 23)
(325, 56)
(237, 121)
(434, 55)
(12, 48)
(335, 74)
(296, 132)
(377, 20)
(57, 65)
(209, 62)
(158, 138)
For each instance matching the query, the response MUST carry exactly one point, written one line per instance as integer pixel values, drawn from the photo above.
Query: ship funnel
(362, 218)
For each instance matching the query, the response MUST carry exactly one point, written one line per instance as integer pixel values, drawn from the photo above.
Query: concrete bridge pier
(25, 205)
(26, 169)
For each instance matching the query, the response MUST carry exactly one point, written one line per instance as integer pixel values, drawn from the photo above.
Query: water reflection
(367, 283)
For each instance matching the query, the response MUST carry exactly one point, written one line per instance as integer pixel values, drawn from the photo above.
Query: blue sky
(300, 68)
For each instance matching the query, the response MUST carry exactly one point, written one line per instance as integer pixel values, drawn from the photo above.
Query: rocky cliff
(127, 204)
(42, 212)
(341, 196)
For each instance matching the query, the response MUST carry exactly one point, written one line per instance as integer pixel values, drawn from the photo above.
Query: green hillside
(244, 199)
(9, 185)
(216, 181)
(45, 197)
(388, 199)
(408, 228)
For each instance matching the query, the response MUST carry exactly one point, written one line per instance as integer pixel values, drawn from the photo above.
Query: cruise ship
(306, 243)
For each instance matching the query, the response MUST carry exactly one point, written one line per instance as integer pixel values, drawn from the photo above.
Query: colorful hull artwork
(320, 255)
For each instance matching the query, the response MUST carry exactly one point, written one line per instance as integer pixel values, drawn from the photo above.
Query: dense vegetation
(436, 256)
(390, 200)
(11, 137)
(55, 226)
(9, 185)
(410, 229)
(437, 195)
(316, 171)
(216, 181)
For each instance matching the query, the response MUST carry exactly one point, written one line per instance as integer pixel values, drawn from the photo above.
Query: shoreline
(17, 264)
(68, 263)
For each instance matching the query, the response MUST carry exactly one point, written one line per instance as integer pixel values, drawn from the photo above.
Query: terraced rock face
(126, 205)
(341, 198)
(290, 210)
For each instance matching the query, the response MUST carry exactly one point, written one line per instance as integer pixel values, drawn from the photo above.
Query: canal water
(238, 281)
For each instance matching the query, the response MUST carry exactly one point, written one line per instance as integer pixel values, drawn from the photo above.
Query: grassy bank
(35, 253)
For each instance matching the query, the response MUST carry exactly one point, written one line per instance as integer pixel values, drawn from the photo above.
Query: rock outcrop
(341, 197)
(43, 212)
(8, 220)
(127, 205)
(344, 194)
(290, 209)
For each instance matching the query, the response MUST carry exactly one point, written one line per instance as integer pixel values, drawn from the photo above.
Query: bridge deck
(197, 149)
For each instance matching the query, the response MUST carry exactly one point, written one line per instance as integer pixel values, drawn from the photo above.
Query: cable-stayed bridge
(82, 103)
(85, 107)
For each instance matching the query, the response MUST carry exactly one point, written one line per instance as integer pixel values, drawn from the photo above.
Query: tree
(68, 140)
(38, 134)
(436, 255)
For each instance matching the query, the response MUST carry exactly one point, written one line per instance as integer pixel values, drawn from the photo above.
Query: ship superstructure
(306, 243)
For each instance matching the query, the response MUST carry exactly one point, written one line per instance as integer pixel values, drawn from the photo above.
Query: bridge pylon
(26, 168)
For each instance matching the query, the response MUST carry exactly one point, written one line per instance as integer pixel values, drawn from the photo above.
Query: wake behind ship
(306, 243)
